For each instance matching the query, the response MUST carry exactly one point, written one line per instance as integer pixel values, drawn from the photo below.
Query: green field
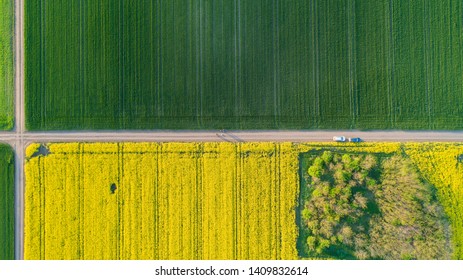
(244, 64)
(6, 203)
(6, 64)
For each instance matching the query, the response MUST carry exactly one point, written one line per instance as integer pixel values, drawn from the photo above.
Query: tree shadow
(113, 188)
(41, 151)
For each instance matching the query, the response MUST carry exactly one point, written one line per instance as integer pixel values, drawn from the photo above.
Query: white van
(339, 139)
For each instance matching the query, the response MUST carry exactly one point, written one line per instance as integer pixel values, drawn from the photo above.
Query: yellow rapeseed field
(161, 201)
(442, 165)
(191, 200)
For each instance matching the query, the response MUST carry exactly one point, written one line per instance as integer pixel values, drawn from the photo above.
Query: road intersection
(19, 138)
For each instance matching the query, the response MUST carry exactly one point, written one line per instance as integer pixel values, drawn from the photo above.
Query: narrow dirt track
(232, 136)
(18, 144)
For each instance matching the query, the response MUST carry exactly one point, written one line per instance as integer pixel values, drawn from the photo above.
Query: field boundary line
(81, 58)
(276, 62)
(238, 58)
(159, 64)
(198, 58)
(351, 58)
(392, 62)
(317, 63)
(426, 34)
(201, 61)
(121, 63)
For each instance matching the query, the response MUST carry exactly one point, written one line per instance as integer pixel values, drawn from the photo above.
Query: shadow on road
(236, 138)
(223, 137)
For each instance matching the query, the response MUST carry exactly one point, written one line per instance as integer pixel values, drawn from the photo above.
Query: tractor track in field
(19, 138)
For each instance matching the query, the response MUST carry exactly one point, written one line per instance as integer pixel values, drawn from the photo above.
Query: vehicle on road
(355, 140)
(339, 139)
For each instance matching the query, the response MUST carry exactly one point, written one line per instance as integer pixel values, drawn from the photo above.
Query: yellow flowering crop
(439, 163)
(191, 200)
(161, 201)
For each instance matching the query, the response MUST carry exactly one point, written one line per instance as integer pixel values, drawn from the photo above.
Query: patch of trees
(356, 206)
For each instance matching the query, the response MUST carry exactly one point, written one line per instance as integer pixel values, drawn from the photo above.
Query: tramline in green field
(259, 64)
(6, 64)
(6, 203)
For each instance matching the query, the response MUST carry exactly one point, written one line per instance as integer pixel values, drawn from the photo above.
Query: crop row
(6, 203)
(6, 64)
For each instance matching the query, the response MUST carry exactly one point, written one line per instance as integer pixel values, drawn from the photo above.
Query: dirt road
(232, 136)
(18, 144)
(20, 139)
